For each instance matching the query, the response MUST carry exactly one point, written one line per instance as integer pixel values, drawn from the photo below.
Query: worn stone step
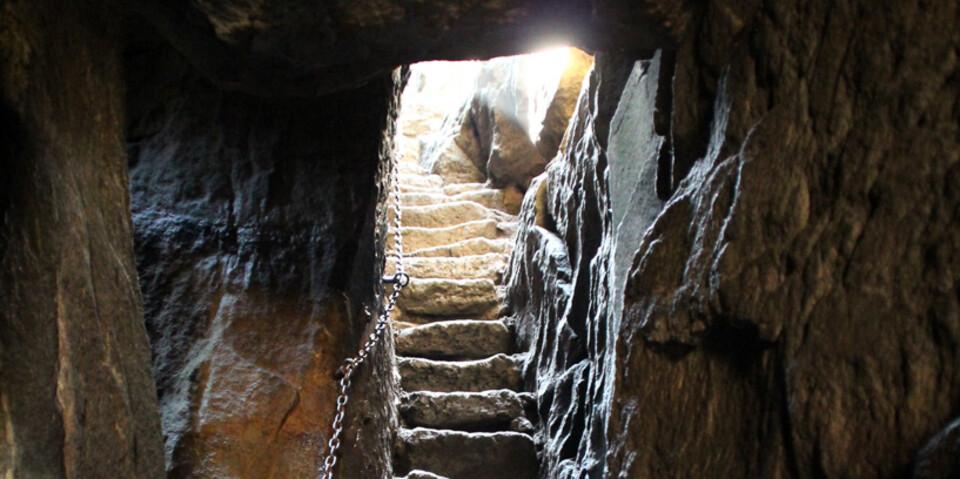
(486, 411)
(457, 188)
(488, 197)
(408, 180)
(422, 198)
(490, 266)
(411, 167)
(409, 319)
(496, 372)
(463, 455)
(416, 238)
(459, 339)
(467, 247)
(449, 297)
(444, 214)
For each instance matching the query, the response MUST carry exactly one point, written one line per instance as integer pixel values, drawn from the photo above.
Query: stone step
(422, 198)
(458, 188)
(408, 319)
(449, 297)
(444, 214)
(483, 411)
(459, 339)
(417, 237)
(488, 197)
(490, 266)
(408, 180)
(463, 455)
(411, 168)
(496, 372)
(468, 247)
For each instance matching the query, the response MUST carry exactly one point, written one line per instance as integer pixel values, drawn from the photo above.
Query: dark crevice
(786, 424)
(661, 122)
(738, 342)
(13, 138)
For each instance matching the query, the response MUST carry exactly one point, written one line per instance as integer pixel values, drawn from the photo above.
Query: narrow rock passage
(462, 412)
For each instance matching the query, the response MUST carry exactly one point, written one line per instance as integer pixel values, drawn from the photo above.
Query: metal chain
(350, 365)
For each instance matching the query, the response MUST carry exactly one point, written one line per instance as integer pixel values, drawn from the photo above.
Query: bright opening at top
(490, 114)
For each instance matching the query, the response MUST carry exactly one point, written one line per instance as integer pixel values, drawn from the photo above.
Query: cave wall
(792, 309)
(256, 224)
(744, 265)
(309, 47)
(77, 399)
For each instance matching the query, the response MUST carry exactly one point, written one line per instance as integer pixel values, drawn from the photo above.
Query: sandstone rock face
(77, 399)
(256, 232)
(562, 103)
(746, 262)
(490, 137)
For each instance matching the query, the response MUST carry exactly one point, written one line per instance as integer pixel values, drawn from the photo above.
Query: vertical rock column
(76, 396)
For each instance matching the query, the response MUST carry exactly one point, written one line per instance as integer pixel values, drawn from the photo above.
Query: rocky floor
(463, 414)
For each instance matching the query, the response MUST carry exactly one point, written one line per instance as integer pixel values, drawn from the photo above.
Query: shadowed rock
(465, 455)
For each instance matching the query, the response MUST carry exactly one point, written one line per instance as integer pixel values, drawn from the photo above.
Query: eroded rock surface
(747, 261)
(256, 232)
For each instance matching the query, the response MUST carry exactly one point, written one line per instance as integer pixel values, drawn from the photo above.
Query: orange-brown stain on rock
(267, 390)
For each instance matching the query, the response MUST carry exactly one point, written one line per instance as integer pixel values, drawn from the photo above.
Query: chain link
(398, 281)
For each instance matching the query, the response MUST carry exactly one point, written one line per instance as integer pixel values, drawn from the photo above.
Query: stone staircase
(463, 415)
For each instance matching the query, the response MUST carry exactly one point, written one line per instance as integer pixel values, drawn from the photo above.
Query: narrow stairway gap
(463, 412)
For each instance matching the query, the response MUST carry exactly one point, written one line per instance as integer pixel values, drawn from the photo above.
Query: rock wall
(792, 309)
(76, 396)
(257, 223)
